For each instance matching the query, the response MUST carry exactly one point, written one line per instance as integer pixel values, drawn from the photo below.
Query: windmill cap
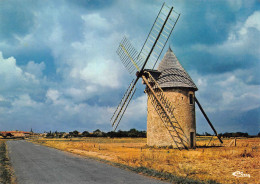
(173, 75)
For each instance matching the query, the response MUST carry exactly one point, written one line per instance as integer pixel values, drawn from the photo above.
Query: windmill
(142, 65)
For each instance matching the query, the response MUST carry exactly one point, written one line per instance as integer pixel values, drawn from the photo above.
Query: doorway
(192, 134)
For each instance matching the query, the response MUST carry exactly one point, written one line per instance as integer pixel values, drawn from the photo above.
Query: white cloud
(95, 22)
(137, 107)
(77, 94)
(88, 67)
(53, 95)
(201, 82)
(35, 68)
(251, 22)
(228, 91)
(101, 73)
(227, 81)
(8, 67)
(135, 115)
(235, 5)
(23, 101)
(234, 90)
(243, 39)
(12, 76)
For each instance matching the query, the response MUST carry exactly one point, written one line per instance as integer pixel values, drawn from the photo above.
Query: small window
(191, 98)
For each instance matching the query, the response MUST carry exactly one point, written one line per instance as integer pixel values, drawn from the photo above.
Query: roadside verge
(6, 170)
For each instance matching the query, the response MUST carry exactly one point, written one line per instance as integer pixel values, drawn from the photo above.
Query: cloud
(35, 68)
(16, 19)
(137, 108)
(100, 74)
(241, 41)
(227, 98)
(42, 114)
(228, 79)
(23, 101)
(135, 115)
(251, 22)
(13, 77)
(233, 93)
(95, 22)
(52, 95)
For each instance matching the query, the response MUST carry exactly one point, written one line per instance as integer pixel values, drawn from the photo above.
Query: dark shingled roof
(173, 74)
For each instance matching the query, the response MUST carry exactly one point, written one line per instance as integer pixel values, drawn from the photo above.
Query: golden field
(213, 162)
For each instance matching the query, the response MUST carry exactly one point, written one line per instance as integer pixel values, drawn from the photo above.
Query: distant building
(15, 134)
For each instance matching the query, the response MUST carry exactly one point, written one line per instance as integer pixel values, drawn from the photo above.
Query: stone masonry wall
(157, 134)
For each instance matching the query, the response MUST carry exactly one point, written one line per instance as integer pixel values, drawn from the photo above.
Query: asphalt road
(39, 164)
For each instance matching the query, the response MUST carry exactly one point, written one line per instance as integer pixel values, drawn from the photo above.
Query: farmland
(209, 162)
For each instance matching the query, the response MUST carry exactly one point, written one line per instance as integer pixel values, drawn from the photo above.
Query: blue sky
(59, 69)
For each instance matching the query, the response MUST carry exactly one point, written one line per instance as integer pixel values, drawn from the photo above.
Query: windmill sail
(152, 48)
(158, 36)
(122, 106)
(129, 56)
(165, 111)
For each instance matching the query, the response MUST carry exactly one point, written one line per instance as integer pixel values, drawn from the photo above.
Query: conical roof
(173, 74)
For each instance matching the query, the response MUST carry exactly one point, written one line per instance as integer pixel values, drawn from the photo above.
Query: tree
(50, 135)
(111, 134)
(85, 134)
(207, 134)
(75, 133)
(235, 134)
(98, 133)
(133, 133)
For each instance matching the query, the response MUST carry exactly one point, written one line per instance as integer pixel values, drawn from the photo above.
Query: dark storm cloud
(16, 19)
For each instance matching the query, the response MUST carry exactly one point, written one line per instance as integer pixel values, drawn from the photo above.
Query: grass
(211, 164)
(6, 171)
(155, 174)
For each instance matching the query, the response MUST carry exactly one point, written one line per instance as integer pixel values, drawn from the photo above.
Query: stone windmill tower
(180, 91)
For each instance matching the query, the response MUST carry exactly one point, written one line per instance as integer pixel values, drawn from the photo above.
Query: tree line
(131, 133)
(229, 134)
(97, 133)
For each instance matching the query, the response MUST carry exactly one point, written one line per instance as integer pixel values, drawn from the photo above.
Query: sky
(59, 69)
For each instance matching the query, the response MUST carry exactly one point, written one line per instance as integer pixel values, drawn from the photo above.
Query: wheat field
(210, 161)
